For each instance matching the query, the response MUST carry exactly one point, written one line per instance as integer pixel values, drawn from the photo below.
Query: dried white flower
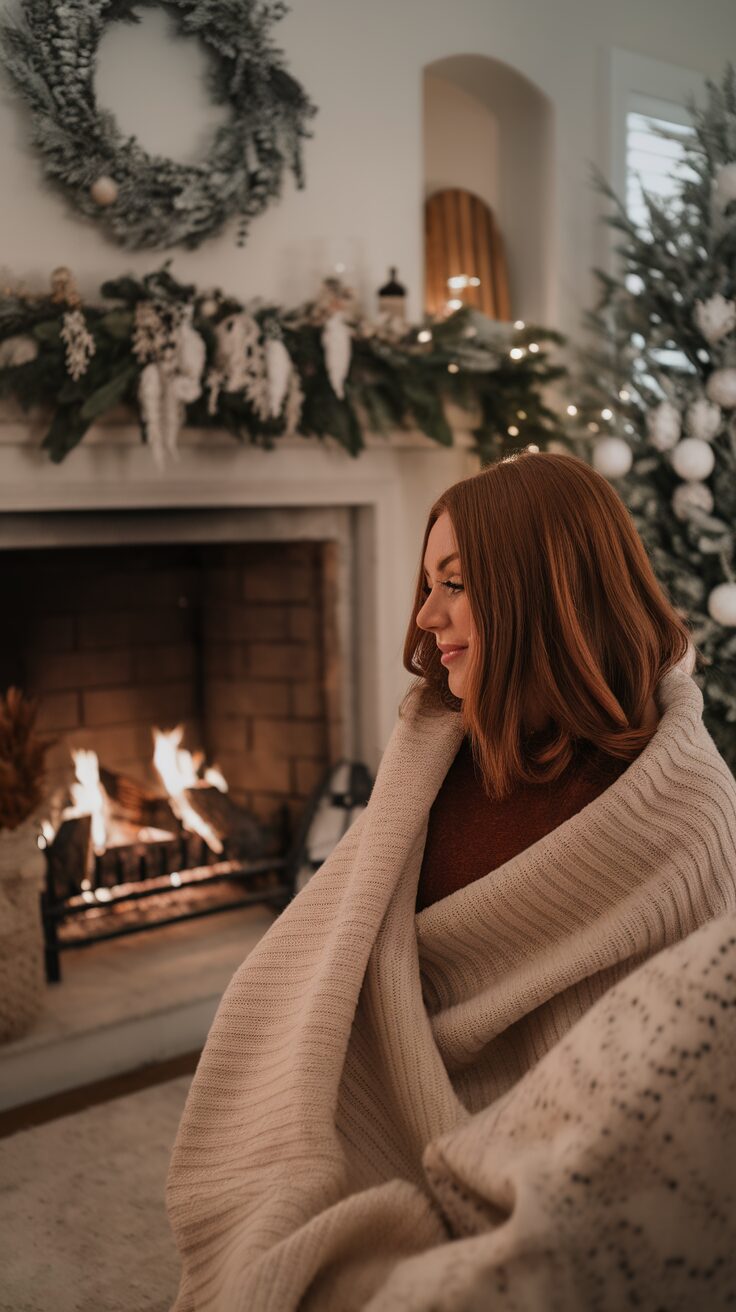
(715, 317)
(664, 426)
(80, 344)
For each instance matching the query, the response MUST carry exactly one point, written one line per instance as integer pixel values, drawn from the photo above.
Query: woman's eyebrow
(445, 561)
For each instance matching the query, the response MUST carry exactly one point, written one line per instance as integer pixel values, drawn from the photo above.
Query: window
(654, 163)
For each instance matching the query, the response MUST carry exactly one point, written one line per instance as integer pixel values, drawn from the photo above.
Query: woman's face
(446, 611)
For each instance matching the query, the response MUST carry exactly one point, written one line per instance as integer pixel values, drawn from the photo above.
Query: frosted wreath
(145, 200)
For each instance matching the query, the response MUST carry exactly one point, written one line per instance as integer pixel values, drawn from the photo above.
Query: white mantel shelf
(114, 469)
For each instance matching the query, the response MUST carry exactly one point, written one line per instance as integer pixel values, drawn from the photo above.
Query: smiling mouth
(448, 656)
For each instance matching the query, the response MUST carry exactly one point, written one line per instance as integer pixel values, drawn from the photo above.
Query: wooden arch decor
(461, 236)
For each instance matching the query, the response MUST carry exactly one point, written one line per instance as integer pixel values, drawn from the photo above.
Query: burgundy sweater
(469, 834)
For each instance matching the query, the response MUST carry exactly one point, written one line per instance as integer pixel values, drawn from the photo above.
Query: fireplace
(362, 521)
(225, 634)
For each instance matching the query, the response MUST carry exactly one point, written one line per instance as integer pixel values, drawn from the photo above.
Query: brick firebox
(238, 641)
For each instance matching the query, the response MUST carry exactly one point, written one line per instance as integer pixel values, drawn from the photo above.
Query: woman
(450, 1076)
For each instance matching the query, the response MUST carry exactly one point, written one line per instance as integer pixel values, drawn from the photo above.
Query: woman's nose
(427, 614)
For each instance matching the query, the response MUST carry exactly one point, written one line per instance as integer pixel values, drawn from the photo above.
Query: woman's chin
(455, 683)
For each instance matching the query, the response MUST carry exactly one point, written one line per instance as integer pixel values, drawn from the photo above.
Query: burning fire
(89, 798)
(179, 772)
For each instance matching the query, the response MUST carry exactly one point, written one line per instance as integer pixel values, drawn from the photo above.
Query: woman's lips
(448, 656)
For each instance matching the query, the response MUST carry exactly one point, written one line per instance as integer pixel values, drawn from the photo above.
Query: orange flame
(179, 772)
(89, 797)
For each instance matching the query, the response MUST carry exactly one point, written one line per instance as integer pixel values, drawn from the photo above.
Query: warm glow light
(532, 447)
(460, 281)
(624, 395)
(176, 880)
(519, 324)
(453, 368)
(533, 347)
(88, 797)
(572, 409)
(513, 431)
(606, 414)
(424, 336)
(454, 304)
(593, 428)
(521, 414)
(516, 353)
(178, 770)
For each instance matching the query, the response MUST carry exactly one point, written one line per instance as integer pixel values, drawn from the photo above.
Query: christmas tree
(654, 406)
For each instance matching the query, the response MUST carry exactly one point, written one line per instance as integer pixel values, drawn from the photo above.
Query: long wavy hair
(564, 602)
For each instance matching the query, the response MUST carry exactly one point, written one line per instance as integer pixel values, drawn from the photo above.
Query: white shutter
(656, 165)
(653, 162)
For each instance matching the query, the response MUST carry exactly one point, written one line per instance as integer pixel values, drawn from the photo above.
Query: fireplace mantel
(386, 492)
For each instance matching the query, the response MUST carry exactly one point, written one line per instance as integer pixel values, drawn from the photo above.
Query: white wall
(362, 64)
(460, 142)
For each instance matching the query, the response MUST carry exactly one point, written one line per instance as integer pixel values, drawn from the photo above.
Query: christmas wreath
(146, 200)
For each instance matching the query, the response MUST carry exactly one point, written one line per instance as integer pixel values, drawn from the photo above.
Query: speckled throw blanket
(521, 1098)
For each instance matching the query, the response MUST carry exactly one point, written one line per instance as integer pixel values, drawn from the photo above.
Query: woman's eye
(451, 587)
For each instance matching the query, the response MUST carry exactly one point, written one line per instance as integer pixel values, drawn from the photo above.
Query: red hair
(564, 601)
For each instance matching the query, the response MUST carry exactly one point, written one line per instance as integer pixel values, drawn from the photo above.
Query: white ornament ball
(691, 496)
(704, 419)
(722, 604)
(724, 185)
(104, 191)
(664, 426)
(693, 460)
(721, 388)
(715, 317)
(612, 457)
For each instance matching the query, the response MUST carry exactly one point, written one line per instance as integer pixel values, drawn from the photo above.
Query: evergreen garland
(147, 201)
(662, 337)
(395, 379)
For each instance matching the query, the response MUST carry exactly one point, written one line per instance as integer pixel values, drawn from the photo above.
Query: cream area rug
(82, 1220)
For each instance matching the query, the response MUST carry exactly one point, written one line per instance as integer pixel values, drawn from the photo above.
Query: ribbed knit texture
(361, 1052)
(470, 834)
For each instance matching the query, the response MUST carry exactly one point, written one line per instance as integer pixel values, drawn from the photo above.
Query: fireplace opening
(219, 660)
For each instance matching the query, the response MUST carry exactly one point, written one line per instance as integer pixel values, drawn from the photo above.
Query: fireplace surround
(259, 599)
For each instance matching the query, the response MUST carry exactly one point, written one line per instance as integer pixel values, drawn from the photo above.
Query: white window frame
(648, 86)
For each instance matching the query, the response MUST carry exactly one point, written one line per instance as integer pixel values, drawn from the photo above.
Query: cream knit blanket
(494, 1103)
